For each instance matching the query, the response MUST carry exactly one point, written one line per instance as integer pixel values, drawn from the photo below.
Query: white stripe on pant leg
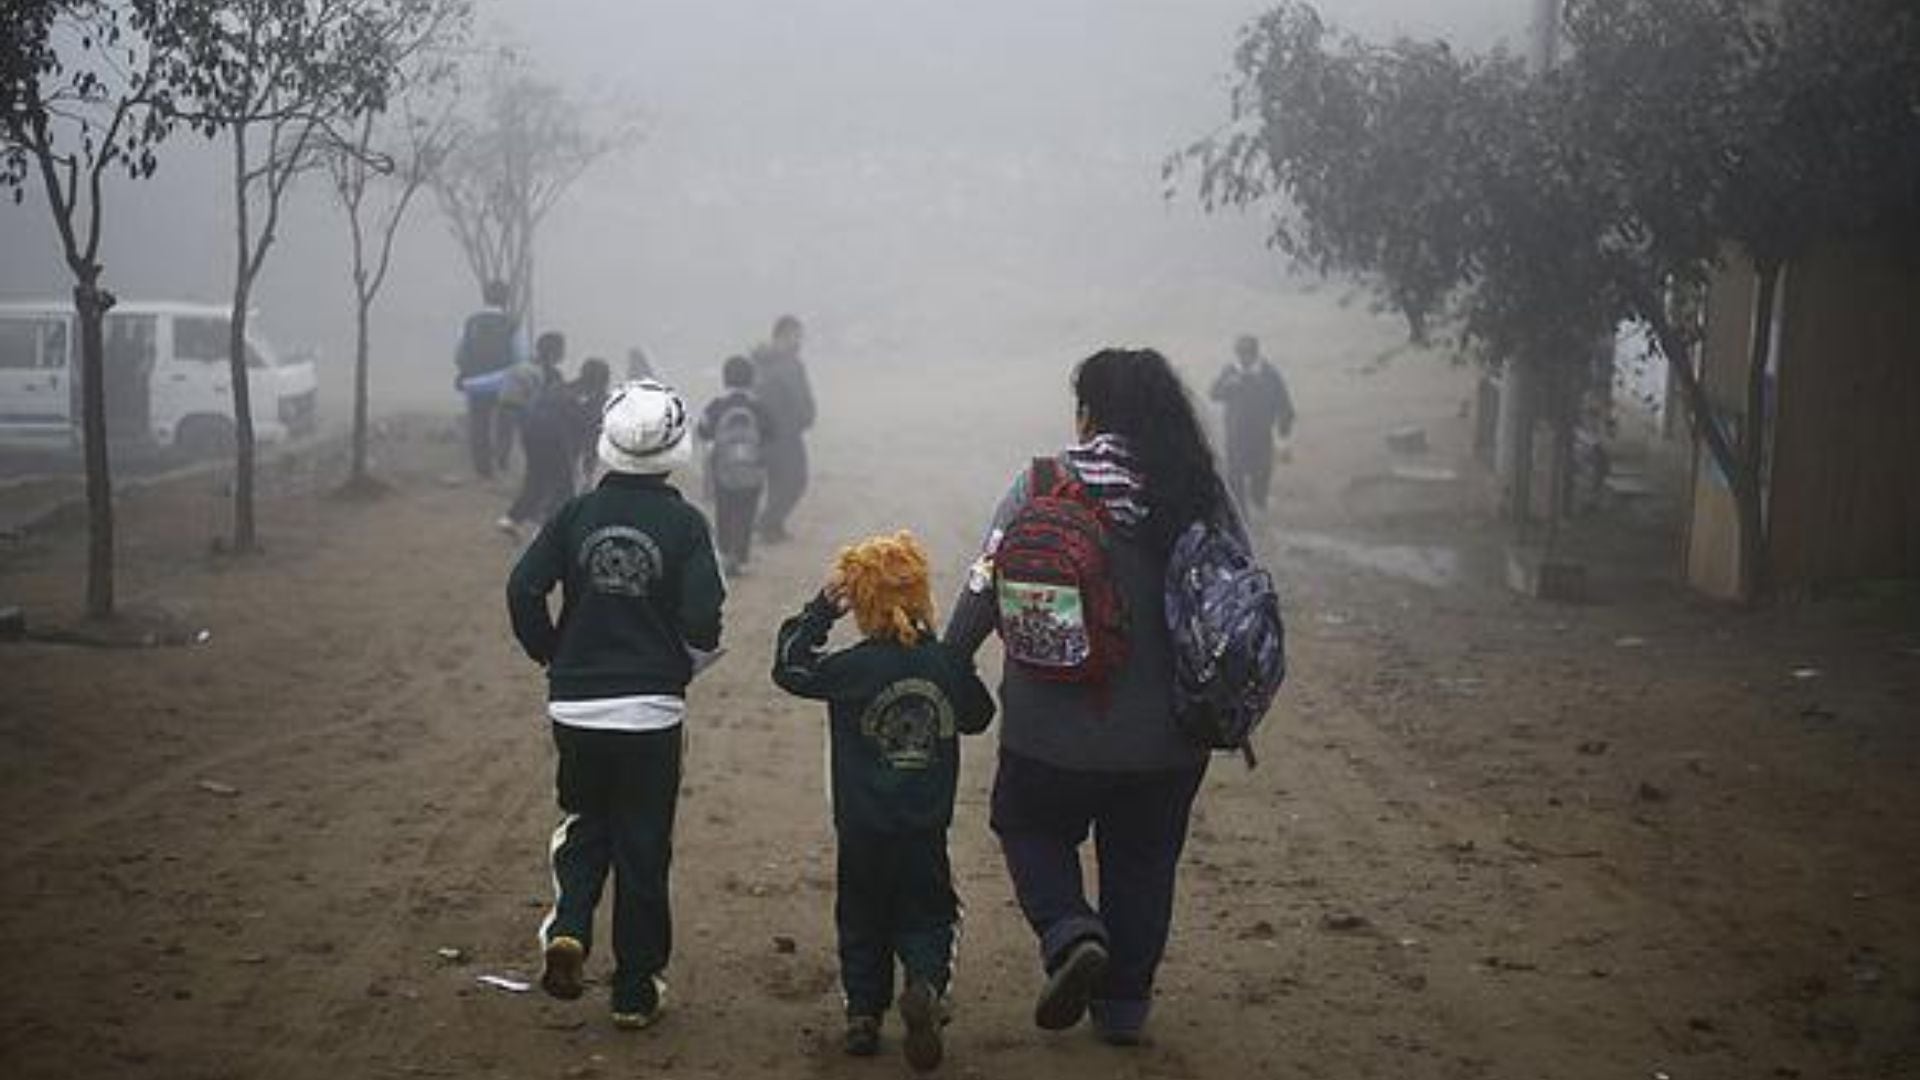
(554, 845)
(953, 952)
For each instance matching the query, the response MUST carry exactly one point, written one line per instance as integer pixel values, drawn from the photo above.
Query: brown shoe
(920, 1011)
(562, 973)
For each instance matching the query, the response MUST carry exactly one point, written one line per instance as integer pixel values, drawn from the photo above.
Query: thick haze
(923, 181)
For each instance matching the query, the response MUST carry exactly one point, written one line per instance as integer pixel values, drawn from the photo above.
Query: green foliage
(1523, 210)
(86, 88)
(317, 61)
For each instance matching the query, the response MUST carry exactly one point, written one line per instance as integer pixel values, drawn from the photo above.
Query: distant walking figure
(490, 345)
(1258, 408)
(639, 365)
(520, 387)
(780, 382)
(738, 431)
(558, 429)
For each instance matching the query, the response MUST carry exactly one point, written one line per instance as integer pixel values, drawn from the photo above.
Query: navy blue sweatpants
(895, 901)
(619, 790)
(1138, 820)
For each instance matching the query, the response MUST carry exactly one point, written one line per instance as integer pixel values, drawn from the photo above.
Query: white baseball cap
(643, 430)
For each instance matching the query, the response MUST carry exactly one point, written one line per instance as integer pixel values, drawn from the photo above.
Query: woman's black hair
(736, 373)
(1135, 394)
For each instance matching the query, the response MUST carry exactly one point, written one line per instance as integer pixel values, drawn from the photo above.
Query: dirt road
(1489, 838)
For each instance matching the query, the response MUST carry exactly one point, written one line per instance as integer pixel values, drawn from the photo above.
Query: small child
(641, 615)
(590, 392)
(737, 429)
(558, 430)
(520, 385)
(895, 703)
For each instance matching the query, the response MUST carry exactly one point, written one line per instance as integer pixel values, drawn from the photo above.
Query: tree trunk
(90, 306)
(1514, 442)
(358, 478)
(245, 538)
(1753, 439)
(523, 269)
(1565, 467)
(1743, 482)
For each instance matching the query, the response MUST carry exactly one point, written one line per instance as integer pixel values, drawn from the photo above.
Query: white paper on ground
(501, 982)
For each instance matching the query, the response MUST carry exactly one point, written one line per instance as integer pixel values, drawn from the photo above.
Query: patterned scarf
(1106, 466)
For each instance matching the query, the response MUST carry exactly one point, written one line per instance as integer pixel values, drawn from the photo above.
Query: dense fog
(925, 182)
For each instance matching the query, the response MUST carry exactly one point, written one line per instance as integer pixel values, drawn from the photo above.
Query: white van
(166, 379)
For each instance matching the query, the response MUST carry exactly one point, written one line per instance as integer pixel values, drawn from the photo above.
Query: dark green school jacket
(639, 585)
(896, 711)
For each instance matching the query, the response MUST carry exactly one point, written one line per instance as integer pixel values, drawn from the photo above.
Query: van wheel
(203, 438)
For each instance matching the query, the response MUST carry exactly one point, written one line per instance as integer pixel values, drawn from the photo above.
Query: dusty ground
(1489, 838)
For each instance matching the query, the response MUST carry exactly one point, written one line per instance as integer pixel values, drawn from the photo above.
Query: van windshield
(32, 343)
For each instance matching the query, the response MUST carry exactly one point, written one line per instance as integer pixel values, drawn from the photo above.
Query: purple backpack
(1229, 643)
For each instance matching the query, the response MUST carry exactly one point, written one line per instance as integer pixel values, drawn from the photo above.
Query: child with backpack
(640, 617)
(896, 703)
(737, 429)
(557, 426)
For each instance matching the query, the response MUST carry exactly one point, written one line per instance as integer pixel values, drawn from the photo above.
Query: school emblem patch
(621, 560)
(907, 722)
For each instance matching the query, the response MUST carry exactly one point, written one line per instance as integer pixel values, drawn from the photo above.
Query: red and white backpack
(1060, 614)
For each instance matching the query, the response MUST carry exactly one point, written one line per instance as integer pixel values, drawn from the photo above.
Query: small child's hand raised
(835, 591)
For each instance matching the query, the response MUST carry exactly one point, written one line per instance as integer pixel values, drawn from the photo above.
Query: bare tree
(382, 164)
(512, 164)
(279, 78)
(83, 94)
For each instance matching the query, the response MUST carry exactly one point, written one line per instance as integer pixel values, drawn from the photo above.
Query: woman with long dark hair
(1099, 756)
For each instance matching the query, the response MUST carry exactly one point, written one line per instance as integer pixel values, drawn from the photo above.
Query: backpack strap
(1043, 478)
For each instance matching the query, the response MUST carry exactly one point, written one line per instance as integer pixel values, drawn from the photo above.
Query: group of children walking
(643, 595)
(753, 432)
(1140, 634)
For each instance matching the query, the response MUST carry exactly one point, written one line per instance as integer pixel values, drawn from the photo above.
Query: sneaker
(1119, 1023)
(921, 1012)
(632, 1016)
(561, 974)
(1063, 1001)
(863, 1036)
(507, 525)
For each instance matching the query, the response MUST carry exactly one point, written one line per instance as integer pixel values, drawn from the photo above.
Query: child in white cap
(640, 616)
